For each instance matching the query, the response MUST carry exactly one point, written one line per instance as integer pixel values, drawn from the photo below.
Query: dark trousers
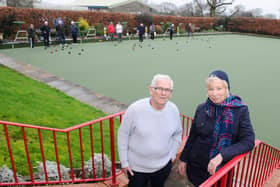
(120, 37)
(31, 41)
(74, 36)
(62, 39)
(111, 36)
(46, 40)
(152, 35)
(171, 35)
(156, 179)
(140, 37)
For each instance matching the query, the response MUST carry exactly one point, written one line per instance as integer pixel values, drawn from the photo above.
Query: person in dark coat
(74, 31)
(190, 29)
(152, 31)
(31, 35)
(141, 31)
(221, 130)
(171, 31)
(61, 32)
(45, 29)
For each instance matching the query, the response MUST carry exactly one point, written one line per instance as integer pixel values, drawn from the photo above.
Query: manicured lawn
(27, 101)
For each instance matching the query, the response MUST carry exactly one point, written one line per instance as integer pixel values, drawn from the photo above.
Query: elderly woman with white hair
(221, 129)
(149, 136)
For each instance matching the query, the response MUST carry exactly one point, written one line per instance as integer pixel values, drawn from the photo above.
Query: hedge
(37, 16)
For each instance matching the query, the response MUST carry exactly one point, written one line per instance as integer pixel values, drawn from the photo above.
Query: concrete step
(274, 180)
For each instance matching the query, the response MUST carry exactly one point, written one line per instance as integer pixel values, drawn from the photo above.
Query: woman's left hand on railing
(214, 163)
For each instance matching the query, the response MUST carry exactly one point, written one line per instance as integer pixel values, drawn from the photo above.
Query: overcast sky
(268, 6)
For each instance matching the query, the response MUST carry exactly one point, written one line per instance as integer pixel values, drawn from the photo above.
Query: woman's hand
(182, 168)
(126, 170)
(214, 163)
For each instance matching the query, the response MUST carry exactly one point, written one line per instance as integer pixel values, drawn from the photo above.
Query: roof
(128, 1)
(105, 3)
(102, 3)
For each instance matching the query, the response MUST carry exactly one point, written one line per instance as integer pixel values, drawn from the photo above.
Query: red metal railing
(104, 125)
(251, 169)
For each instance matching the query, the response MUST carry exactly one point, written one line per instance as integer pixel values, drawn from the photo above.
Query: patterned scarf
(223, 115)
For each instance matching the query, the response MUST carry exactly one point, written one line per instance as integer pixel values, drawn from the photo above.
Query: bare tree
(199, 6)
(257, 12)
(187, 10)
(168, 8)
(21, 3)
(218, 6)
(195, 8)
(237, 11)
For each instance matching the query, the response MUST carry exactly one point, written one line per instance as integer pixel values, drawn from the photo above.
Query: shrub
(224, 22)
(181, 28)
(83, 25)
(99, 27)
(166, 26)
(158, 29)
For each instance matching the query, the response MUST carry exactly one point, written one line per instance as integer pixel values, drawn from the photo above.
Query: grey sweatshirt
(148, 138)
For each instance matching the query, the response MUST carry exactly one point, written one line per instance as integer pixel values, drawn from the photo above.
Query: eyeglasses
(160, 89)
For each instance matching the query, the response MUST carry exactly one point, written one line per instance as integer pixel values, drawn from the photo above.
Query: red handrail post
(70, 157)
(27, 154)
(10, 152)
(102, 148)
(92, 152)
(112, 137)
(43, 156)
(56, 155)
(82, 155)
(224, 181)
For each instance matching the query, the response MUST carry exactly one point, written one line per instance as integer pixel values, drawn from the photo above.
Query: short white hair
(214, 78)
(158, 77)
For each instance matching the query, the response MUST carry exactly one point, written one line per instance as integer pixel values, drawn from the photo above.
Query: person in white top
(149, 136)
(119, 30)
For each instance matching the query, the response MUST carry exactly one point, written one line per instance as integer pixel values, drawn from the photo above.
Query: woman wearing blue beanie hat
(221, 130)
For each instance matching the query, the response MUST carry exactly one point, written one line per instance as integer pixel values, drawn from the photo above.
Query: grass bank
(24, 100)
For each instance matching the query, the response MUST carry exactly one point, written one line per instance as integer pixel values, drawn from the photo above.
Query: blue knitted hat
(221, 75)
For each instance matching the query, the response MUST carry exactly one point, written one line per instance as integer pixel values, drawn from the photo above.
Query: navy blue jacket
(45, 29)
(197, 149)
(74, 29)
(141, 30)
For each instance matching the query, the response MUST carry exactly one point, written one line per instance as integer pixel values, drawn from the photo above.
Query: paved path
(90, 97)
